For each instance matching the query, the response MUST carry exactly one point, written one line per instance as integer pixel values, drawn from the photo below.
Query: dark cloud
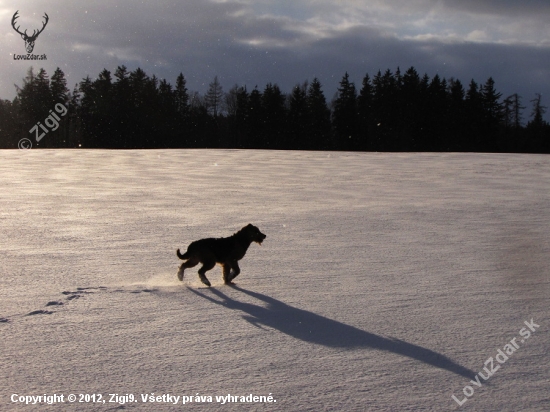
(254, 43)
(512, 8)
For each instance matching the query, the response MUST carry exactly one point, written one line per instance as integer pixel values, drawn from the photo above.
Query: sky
(253, 43)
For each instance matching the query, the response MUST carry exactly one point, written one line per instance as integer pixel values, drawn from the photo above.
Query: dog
(226, 251)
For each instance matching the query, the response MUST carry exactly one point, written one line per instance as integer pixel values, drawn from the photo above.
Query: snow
(385, 283)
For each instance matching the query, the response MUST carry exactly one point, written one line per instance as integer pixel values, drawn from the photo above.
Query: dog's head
(253, 233)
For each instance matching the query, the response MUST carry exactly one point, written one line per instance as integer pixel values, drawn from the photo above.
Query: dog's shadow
(310, 327)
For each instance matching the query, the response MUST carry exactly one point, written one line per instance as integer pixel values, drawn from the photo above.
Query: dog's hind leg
(235, 272)
(206, 266)
(185, 265)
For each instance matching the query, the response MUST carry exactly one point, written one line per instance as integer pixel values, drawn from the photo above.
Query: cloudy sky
(251, 43)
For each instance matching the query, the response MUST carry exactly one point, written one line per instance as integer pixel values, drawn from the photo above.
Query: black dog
(226, 251)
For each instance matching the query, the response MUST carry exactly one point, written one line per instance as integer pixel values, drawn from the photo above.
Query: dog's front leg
(236, 270)
(226, 273)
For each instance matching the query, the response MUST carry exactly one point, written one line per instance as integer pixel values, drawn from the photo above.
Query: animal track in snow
(71, 295)
(39, 312)
(54, 303)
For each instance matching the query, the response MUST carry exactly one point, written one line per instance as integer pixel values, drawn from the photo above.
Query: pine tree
(274, 117)
(137, 131)
(75, 137)
(512, 117)
(10, 124)
(384, 94)
(58, 87)
(319, 123)
(122, 83)
(399, 110)
(538, 111)
(242, 111)
(109, 130)
(26, 96)
(492, 113)
(164, 117)
(474, 118)
(85, 112)
(344, 116)
(35, 102)
(181, 96)
(298, 117)
(138, 82)
(214, 97)
(457, 116)
(230, 133)
(230, 101)
(60, 95)
(256, 120)
(120, 95)
(538, 129)
(437, 133)
(516, 110)
(490, 100)
(365, 115)
(43, 92)
(413, 115)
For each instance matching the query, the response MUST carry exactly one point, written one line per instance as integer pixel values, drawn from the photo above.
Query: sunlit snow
(385, 283)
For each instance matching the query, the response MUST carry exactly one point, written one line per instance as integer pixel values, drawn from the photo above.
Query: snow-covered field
(386, 282)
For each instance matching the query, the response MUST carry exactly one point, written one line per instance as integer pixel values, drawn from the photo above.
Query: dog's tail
(185, 256)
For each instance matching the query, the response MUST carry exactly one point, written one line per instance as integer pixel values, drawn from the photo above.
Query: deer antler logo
(29, 40)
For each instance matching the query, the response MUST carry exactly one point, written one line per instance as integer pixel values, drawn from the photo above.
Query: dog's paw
(205, 281)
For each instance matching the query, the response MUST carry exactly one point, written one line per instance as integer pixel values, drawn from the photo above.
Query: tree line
(392, 111)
